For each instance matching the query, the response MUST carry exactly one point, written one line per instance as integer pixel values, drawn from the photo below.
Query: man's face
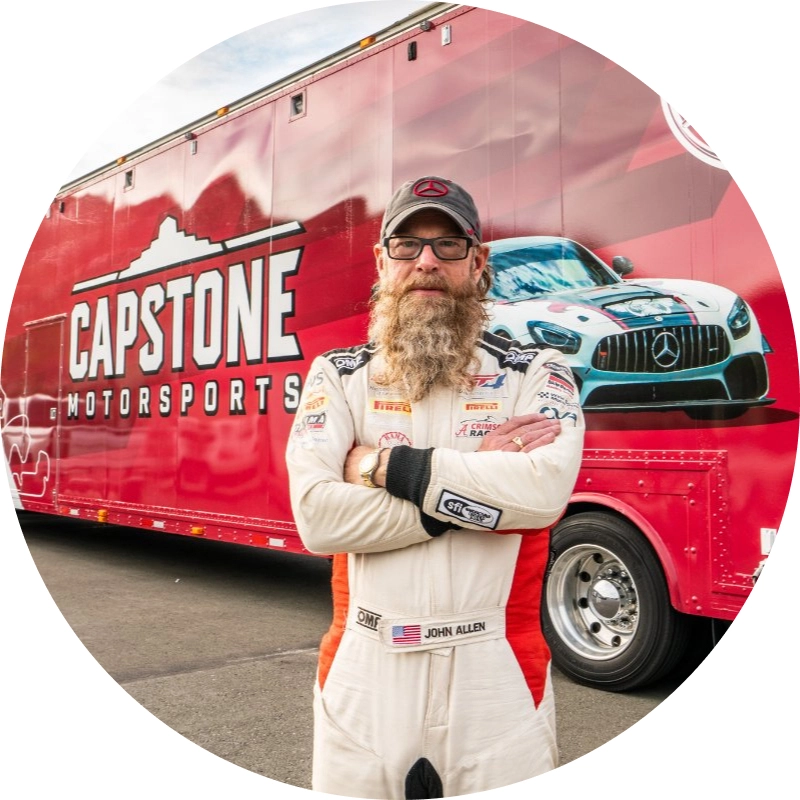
(427, 313)
(435, 275)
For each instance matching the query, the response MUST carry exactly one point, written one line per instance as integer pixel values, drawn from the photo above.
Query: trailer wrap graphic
(171, 304)
(231, 313)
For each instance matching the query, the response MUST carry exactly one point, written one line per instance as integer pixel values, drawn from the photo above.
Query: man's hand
(532, 430)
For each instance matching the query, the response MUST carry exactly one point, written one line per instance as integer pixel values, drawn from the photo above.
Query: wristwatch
(368, 465)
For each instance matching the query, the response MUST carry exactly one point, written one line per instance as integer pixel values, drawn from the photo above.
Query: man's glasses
(445, 248)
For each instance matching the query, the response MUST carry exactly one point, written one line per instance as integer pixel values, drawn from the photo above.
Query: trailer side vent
(297, 105)
(412, 51)
(128, 180)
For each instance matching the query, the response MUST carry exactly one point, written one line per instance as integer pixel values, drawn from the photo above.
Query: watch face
(367, 464)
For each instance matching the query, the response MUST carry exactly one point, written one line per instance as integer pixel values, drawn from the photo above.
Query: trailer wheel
(606, 612)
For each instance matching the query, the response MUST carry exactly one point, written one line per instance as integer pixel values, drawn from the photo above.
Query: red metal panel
(680, 500)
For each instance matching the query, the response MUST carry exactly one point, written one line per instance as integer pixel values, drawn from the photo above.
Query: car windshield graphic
(531, 271)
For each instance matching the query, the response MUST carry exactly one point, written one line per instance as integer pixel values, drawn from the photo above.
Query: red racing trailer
(171, 302)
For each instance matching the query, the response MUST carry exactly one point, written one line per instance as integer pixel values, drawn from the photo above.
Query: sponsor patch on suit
(467, 510)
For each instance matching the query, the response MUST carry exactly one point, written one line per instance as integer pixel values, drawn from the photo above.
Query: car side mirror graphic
(622, 266)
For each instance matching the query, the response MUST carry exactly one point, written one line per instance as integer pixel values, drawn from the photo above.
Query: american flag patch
(406, 634)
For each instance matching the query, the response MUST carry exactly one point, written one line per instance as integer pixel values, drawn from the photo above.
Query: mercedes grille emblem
(666, 350)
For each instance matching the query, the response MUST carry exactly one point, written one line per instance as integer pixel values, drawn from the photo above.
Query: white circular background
(68, 70)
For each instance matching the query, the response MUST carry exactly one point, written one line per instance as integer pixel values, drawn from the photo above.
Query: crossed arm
(534, 430)
(523, 488)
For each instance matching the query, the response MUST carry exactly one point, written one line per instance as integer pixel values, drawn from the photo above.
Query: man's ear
(380, 261)
(481, 260)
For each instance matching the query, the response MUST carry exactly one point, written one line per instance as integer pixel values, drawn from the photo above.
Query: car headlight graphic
(555, 336)
(739, 319)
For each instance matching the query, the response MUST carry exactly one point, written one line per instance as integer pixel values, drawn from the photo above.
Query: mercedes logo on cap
(429, 188)
(666, 350)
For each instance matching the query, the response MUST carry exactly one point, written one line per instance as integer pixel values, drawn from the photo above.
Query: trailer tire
(606, 613)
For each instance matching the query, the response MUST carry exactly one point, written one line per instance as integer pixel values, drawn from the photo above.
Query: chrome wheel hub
(592, 601)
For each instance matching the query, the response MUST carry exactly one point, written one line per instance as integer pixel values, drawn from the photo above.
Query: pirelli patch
(466, 510)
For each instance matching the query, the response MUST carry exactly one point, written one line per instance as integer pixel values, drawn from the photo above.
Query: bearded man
(431, 462)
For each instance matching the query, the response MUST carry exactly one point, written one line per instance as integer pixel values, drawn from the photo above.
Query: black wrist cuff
(408, 473)
(434, 527)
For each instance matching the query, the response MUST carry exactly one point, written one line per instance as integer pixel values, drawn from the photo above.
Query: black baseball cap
(436, 193)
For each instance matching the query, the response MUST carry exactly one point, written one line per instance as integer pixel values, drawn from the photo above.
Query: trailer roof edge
(380, 37)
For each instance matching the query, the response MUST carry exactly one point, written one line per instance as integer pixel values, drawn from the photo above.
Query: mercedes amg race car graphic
(647, 344)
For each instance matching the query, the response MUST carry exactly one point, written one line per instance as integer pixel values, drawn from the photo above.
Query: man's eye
(449, 243)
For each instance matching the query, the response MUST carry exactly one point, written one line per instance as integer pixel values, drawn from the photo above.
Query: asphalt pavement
(220, 641)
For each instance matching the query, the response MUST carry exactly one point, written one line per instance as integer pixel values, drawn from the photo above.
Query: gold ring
(518, 442)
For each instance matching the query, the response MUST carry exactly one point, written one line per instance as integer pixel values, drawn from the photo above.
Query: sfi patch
(466, 510)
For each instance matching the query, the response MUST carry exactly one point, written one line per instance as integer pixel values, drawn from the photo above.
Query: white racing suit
(434, 679)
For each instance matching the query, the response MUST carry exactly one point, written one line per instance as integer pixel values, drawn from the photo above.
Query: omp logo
(518, 357)
(689, 137)
(367, 619)
(466, 510)
(347, 362)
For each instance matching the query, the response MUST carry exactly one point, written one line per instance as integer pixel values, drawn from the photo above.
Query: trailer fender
(587, 501)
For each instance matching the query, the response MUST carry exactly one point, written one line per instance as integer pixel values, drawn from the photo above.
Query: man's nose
(427, 259)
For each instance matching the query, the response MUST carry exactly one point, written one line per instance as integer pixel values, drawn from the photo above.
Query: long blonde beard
(426, 341)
